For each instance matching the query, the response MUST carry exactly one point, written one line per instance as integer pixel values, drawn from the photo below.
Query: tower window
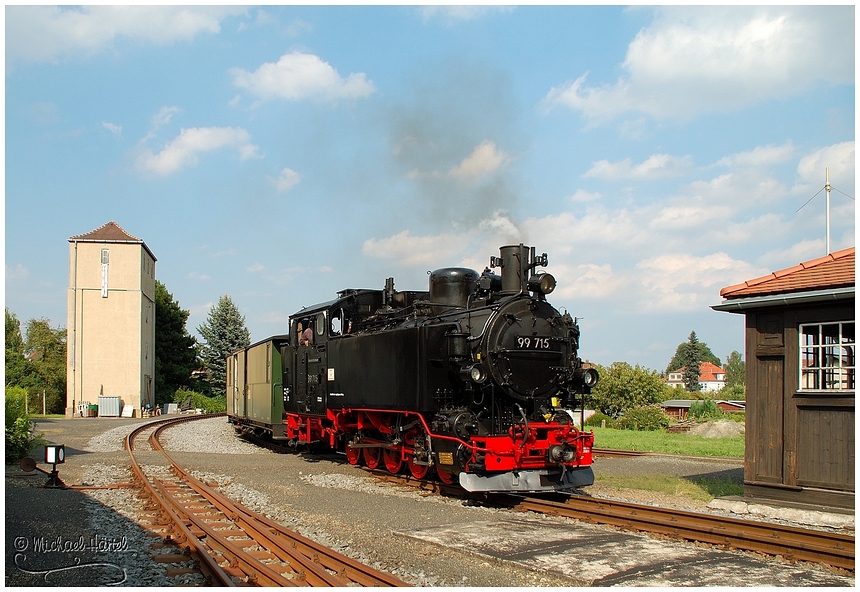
(105, 256)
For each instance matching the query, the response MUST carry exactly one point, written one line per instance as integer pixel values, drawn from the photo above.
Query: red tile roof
(835, 270)
(707, 372)
(110, 233)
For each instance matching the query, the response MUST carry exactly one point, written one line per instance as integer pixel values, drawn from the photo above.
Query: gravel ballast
(322, 498)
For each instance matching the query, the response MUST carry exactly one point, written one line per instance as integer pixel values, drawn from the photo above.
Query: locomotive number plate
(532, 342)
(446, 458)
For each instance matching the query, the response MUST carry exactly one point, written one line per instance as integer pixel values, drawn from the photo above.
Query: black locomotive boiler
(475, 380)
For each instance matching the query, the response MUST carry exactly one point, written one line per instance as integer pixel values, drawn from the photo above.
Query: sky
(279, 154)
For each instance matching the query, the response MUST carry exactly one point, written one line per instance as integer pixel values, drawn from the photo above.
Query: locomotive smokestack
(514, 261)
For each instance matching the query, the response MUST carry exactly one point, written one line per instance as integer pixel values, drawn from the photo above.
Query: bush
(649, 418)
(20, 436)
(705, 409)
(597, 420)
(200, 401)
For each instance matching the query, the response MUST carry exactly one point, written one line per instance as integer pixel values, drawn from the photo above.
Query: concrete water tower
(111, 319)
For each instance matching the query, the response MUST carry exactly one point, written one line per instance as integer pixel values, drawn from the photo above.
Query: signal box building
(801, 381)
(111, 319)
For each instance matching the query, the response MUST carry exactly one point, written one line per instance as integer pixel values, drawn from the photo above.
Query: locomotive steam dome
(452, 286)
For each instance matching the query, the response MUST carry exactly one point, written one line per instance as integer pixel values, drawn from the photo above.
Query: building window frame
(827, 357)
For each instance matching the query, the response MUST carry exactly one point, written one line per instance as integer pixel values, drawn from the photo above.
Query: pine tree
(175, 349)
(705, 355)
(223, 333)
(692, 360)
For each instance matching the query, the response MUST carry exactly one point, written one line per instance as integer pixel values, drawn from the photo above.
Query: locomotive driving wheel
(353, 455)
(371, 457)
(445, 477)
(393, 459)
(417, 471)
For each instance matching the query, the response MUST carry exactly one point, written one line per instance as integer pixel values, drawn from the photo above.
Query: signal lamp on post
(55, 454)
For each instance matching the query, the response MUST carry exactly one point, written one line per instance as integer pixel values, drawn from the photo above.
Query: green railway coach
(255, 389)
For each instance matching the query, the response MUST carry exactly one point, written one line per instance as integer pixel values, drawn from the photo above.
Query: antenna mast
(827, 216)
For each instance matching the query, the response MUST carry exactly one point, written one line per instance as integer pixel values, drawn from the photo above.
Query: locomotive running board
(528, 481)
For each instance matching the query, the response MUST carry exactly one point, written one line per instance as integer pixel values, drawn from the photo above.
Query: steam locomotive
(476, 380)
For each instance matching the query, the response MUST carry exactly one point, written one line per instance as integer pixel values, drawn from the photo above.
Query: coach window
(827, 357)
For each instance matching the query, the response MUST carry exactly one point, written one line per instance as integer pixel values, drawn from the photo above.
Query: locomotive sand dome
(475, 380)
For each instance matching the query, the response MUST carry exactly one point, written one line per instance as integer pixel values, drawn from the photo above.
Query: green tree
(624, 387)
(223, 333)
(736, 372)
(175, 349)
(692, 359)
(45, 365)
(15, 362)
(705, 355)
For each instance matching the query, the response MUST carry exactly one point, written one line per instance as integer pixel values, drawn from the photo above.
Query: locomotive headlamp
(542, 283)
(587, 376)
(475, 373)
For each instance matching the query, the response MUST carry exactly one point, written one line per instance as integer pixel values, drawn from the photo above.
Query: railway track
(792, 543)
(638, 453)
(231, 544)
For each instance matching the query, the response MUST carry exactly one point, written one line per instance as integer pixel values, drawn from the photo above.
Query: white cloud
(113, 128)
(256, 268)
(287, 179)
(686, 282)
(298, 76)
(759, 156)
(414, 250)
(655, 166)
(486, 158)
(841, 160)
(183, 150)
(53, 33)
(164, 115)
(716, 59)
(196, 275)
(587, 281)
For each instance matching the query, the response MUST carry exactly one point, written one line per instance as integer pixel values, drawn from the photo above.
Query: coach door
(311, 364)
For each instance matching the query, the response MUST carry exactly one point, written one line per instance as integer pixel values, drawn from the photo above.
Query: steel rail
(213, 572)
(309, 562)
(610, 452)
(793, 543)
(316, 558)
(258, 573)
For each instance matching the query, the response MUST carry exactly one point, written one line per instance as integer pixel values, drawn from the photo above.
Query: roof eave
(114, 241)
(740, 305)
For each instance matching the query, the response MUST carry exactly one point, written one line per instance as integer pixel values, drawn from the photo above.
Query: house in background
(111, 319)
(711, 377)
(680, 408)
(800, 380)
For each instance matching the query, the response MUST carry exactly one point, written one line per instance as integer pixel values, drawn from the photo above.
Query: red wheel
(352, 455)
(444, 476)
(418, 471)
(371, 457)
(393, 460)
